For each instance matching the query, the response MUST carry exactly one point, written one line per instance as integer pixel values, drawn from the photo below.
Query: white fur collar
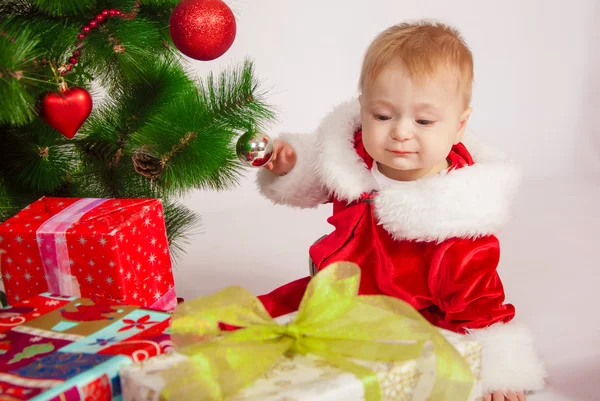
(469, 202)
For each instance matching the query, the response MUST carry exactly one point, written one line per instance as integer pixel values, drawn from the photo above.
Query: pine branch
(89, 182)
(164, 80)
(10, 204)
(17, 50)
(56, 37)
(127, 6)
(160, 11)
(27, 50)
(16, 7)
(37, 159)
(192, 136)
(105, 134)
(115, 181)
(187, 142)
(99, 137)
(234, 99)
(166, 4)
(122, 51)
(181, 224)
(64, 8)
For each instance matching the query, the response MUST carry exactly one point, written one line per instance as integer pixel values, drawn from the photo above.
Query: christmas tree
(158, 133)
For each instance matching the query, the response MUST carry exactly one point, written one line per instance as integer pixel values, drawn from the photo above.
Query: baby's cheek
(432, 154)
(370, 141)
(439, 146)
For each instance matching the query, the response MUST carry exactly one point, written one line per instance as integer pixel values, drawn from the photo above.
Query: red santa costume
(429, 242)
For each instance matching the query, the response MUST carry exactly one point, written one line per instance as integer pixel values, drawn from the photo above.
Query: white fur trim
(509, 359)
(301, 186)
(467, 203)
(470, 202)
(342, 170)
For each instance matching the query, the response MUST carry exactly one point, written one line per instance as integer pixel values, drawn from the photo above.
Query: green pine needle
(9, 203)
(123, 5)
(89, 183)
(234, 98)
(190, 143)
(122, 51)
(181, 224)
(99, 137)
(36, 158)
(169, 4)
(21, 109)
(16, 7)
(129, 107)
(17, 50)
(56, 38)
(65, 7)
(193, 135)
(164, 81)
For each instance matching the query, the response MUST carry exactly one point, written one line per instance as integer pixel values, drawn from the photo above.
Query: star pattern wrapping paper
(97, 248)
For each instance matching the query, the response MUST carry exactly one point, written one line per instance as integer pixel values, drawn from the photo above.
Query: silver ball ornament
(254, 149)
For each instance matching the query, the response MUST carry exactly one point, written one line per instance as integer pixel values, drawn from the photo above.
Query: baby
(416, 204)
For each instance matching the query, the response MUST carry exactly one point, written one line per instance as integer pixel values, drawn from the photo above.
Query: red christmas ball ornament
(203, 29)
(66, 110)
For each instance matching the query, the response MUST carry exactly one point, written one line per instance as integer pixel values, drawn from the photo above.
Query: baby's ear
(462, 125)
(360, 100)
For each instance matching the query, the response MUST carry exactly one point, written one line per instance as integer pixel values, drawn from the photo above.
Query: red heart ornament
(67, 110)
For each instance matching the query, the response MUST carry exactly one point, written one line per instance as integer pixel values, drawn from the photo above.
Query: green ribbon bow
(333, 323)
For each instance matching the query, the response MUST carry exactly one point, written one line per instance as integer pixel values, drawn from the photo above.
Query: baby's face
(409, 125)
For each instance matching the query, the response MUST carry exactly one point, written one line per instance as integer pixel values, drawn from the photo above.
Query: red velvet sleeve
(470, 292)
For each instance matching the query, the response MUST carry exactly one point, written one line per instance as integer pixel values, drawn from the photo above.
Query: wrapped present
(111, 248)
(338, 346)
(297, 377)
(55, 348)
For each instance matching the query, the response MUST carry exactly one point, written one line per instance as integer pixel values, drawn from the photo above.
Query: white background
(536, 97)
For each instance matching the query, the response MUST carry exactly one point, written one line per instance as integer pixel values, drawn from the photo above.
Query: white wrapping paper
(307, 378)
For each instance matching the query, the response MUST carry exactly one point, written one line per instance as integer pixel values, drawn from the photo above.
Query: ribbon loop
(333, 323)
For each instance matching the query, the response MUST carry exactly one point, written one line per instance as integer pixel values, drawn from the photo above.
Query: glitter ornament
(254, 149)
(202, 29)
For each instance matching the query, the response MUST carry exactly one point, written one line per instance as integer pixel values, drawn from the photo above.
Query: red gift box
(96, 248)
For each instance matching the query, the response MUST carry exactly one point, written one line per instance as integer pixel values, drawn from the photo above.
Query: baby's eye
(424, 122)
(382, 117)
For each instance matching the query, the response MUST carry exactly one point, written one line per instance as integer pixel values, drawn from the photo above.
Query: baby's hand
(284, 158)
(500, 396)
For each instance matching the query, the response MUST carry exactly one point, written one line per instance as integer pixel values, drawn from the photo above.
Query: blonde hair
(423, 47)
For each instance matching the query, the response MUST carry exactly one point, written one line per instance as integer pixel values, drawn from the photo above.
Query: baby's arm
(301, 186)
(472, 297)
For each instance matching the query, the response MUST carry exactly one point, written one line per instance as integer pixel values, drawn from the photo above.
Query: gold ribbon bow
(333, 323)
